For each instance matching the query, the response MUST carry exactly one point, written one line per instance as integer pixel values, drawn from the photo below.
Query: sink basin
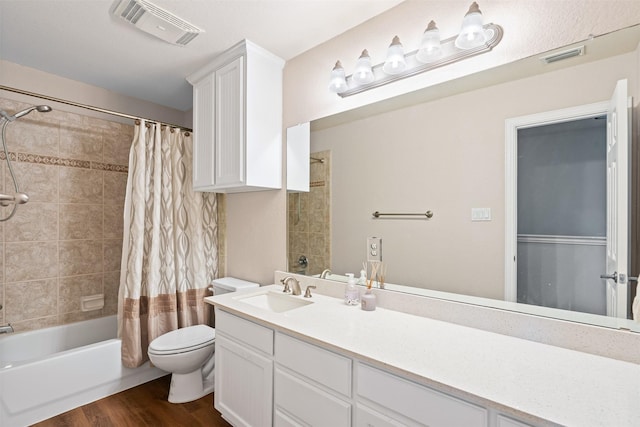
(276, 302)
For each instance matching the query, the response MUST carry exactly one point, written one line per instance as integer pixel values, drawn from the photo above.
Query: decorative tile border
(316, 184)
(109, 167)
(59, 161)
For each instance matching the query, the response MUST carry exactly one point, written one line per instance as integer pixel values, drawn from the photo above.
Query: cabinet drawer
(315, 363)
(508, 422)
(367, 417)
(417, 402)
(249, 333)
(307, 403)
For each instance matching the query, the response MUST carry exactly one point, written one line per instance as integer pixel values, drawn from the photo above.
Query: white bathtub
(49, 371)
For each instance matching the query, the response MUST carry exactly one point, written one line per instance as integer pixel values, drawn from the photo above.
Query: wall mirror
(442, 149)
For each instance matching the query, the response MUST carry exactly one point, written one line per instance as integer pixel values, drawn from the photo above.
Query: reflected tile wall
(67, 241)
(309, 219)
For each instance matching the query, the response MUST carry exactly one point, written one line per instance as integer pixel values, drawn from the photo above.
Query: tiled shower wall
(309, 219)
(67, 241)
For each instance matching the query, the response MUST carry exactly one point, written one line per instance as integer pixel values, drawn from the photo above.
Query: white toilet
(188, 352)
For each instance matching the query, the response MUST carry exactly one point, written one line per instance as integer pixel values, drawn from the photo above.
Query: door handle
(613, 276)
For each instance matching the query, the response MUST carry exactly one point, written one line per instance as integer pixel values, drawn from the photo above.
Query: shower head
(39, 108)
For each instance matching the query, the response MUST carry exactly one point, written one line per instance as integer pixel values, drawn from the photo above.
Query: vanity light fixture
(474, 38)
(472, 33)
(338, 82)
(363, 73)
(395, 62)
(430, 48)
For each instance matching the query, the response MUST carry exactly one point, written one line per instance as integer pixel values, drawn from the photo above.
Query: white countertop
(550, 383)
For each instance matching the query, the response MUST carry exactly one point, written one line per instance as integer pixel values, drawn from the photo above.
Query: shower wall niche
(66, 243)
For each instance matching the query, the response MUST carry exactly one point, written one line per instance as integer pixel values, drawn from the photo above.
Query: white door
(617, 202)
(618, 134)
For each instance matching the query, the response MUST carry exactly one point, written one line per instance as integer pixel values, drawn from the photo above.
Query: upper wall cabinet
(237, 121)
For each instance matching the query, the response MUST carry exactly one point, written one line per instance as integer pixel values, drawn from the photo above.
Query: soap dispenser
(351, 294)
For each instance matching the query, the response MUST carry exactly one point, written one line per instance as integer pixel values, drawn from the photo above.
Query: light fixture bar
(450, 54)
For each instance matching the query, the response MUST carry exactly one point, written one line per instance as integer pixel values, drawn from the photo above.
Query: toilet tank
(231, 284)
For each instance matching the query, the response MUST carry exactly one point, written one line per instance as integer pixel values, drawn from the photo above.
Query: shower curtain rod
(87, 107)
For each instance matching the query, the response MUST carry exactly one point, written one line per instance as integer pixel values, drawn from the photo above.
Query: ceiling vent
(156, 21)
(565, 54)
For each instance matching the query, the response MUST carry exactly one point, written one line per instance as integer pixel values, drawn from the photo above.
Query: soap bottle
(351, 294)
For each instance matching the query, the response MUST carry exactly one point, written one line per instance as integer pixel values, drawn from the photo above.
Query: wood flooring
(142, 406)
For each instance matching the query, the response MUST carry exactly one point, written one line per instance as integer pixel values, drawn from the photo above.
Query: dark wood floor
(145, 405)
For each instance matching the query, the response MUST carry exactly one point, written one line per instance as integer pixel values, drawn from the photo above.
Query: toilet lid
(183, 339)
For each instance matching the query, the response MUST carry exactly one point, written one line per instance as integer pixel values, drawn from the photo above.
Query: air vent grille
(132, 12)
(156, 21)
(186, 38)
(168, 16)
(565, 54)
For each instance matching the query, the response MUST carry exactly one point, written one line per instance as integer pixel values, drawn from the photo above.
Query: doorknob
(613, 276)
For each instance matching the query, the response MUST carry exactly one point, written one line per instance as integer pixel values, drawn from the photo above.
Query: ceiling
(81, 40)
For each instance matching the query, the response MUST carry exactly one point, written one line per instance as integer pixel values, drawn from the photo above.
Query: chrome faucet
(6, 329)
(325, 273)
(296, 286)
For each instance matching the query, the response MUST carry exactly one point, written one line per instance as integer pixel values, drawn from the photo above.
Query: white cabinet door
(244, 384)
(203, 130)
(229, 132)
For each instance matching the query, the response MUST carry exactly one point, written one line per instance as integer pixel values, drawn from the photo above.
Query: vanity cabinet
(312, 386)
(244, 371)
(237, 121)
(269, 378)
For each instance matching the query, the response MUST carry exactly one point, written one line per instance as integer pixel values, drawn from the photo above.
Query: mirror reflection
(444, 150)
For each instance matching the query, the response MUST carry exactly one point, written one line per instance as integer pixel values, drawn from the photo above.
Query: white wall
(530, 27)
(36, 81)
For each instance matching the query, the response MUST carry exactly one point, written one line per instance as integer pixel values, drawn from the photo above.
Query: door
(617, 198)
(617, 202)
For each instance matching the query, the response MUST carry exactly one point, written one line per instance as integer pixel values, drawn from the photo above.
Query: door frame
(512, 126)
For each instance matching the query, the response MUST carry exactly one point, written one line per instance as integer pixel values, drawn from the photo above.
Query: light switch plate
(480, 214)
(374, 249)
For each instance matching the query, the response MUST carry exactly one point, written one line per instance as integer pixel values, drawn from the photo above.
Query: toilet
(188, 352)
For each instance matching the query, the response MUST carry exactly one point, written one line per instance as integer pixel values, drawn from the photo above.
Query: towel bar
(428, 214)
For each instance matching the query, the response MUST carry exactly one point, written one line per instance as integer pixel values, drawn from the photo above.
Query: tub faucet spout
(6, 329)
(325, 273)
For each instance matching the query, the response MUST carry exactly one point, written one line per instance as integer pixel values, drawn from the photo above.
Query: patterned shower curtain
(169, 254)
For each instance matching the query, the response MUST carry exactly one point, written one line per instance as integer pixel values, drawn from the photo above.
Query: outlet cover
(374, 249)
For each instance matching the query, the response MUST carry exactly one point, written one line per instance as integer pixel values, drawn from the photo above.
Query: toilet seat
(183, 340)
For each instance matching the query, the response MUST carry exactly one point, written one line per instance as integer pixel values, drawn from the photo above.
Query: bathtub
(49, 371)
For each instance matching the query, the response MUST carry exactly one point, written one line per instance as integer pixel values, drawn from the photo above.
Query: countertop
(525, 378)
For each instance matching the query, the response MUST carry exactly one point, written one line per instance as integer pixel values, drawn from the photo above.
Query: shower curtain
(169, 254)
